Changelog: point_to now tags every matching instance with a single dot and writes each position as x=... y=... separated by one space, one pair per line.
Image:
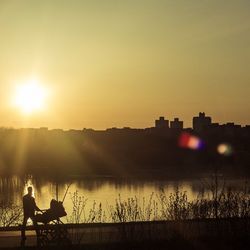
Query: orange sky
x=124 y=63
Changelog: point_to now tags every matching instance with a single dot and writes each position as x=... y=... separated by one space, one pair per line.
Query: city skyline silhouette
x=100 y=65
x=163 y=121
x=124 y=124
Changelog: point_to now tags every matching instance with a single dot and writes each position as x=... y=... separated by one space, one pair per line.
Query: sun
x=30 y=97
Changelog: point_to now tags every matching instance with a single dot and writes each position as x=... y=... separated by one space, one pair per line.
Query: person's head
x=30 y=190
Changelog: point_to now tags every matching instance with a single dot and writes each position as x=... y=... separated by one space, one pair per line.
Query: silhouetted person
x=29 y=208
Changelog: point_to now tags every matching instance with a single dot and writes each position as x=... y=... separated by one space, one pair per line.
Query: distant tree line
x=123 y=152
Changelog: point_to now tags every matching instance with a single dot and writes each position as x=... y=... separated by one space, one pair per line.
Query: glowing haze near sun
x=124 y=63
x=30 y=97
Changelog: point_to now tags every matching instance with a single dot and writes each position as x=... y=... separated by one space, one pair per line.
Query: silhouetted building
x=215 y=125
x=176 y=124
x=232 y=125
x=201 y=122
x=162 y=123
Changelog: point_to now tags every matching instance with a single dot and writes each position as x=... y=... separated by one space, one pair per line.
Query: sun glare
x=30 y=97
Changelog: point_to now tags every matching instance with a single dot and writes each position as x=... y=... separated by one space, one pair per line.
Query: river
x=104 y=190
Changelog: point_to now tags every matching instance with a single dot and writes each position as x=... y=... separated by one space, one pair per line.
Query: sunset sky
x=121 y=63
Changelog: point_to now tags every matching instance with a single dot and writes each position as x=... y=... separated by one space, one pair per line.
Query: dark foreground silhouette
x=29 y=208
x=231 y=233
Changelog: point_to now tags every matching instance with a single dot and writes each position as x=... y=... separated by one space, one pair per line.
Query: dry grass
x=226 y=203
x=176 y=206
x=10 y=214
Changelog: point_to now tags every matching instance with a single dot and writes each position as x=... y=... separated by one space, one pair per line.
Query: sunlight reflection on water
x=99 y=190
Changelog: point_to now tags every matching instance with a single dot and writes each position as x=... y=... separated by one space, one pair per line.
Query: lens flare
x=187 y=140
x=225 y=149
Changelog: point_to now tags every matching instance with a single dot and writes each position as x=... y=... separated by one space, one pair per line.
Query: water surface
x=104 y=190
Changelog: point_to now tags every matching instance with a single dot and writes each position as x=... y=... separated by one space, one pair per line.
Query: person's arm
x=36 y=207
